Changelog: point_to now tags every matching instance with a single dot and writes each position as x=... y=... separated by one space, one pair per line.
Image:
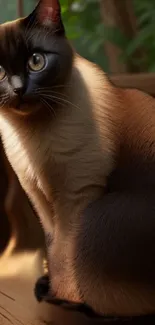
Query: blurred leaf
x=141 y=38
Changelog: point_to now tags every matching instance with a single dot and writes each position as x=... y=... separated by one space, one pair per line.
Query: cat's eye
x=36 y=62
x=2 y=73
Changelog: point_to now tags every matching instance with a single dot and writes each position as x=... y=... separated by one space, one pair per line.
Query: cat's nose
x=19 y=91
x=17 y=85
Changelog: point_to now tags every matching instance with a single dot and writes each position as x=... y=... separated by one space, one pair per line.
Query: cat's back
x=127 y=115
x=138 y=127
x=132 y=110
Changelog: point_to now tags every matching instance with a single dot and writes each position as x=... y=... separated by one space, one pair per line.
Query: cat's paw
x=41 y=289
x=72 y=306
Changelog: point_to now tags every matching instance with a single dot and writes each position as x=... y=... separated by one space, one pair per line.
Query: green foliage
x=145 y=39
x=85 y=29
x=89 y=34
x=82 y=22
x=7 y=12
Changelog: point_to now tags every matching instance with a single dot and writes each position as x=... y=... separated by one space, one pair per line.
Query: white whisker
x=51 y=92
x=61 y=100
x=50 y=108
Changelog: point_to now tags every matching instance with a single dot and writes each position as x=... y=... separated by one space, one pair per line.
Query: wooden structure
x=142 y=81
x=20 y=8
x=17 y=303
x=120 y=14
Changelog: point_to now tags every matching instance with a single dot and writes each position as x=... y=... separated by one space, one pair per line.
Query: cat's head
x=35 y=59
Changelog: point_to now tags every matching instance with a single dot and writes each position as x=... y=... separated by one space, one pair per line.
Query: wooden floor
x=17 y=303
x=17 y=278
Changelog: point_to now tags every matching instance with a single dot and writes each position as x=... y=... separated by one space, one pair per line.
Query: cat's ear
x=48 y=13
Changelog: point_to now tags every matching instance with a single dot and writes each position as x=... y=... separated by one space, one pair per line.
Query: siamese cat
x=84 y=152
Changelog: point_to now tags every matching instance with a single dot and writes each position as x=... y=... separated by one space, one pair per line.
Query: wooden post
x=20 y=8
x=119 y=14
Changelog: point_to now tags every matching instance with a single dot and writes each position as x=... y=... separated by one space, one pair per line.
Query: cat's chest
x=25 y=155
x=19 y=157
